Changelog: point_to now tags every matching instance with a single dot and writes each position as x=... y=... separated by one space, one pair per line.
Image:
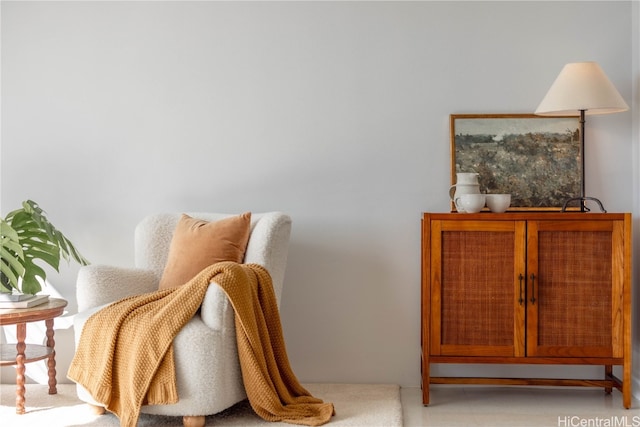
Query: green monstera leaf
x=12 y=265
x=27 y=237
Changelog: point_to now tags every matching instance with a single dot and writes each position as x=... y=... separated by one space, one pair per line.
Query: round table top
x=50 y=309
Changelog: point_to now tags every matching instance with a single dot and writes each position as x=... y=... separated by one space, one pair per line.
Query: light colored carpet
x=358 y=405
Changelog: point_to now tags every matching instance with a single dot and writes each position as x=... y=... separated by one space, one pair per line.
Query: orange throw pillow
x=197 y=244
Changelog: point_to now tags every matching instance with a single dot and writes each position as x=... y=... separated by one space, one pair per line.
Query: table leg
x=51 y=361
x=20 y=358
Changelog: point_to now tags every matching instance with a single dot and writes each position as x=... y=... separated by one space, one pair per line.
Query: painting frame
x=536 y=159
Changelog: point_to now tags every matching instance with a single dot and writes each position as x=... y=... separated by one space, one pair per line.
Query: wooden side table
x=20 y=353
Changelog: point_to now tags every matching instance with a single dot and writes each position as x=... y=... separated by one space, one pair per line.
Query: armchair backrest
x=268 y=243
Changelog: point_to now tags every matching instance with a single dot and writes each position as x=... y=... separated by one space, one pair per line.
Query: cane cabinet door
x=575 y=282
x=478 y=288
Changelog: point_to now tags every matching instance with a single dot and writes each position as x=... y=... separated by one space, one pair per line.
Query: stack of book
x=21 y=300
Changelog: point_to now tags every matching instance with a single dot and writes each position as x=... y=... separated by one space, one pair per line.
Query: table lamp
x=581 y=88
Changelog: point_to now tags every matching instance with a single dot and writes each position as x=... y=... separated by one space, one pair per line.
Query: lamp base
x=583 y=207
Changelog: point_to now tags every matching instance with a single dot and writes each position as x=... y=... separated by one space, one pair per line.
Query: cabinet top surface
x=521 y=215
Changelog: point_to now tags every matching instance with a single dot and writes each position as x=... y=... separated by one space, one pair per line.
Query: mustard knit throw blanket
x=142 y=328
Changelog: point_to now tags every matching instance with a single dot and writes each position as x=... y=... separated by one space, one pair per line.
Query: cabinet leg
x=608 y=373
x=426 y=380
x=626 y=383
x=425 y=392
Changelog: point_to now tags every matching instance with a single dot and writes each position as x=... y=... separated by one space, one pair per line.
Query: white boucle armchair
x=206 y=357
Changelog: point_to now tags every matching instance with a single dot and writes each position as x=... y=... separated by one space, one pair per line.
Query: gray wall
x=336 y=113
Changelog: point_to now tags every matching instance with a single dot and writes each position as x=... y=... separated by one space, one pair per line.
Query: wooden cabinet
x=527 y=288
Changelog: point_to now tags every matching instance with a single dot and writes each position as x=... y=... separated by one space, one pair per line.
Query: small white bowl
x=498 y=202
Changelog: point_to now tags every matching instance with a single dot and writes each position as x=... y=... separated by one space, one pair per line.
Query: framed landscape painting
x=535 y=159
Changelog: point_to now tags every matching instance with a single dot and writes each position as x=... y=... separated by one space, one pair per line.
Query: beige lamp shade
x=581 y=86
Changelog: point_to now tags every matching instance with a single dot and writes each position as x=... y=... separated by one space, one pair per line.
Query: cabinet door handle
x=520 y=279
x=533 y=293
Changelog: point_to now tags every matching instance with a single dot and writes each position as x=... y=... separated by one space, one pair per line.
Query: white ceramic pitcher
x=466 y=183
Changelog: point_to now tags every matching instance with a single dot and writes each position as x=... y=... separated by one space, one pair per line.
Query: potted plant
x=28 y=236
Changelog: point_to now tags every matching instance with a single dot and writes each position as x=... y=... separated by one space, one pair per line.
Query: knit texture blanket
x=141 y=328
